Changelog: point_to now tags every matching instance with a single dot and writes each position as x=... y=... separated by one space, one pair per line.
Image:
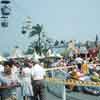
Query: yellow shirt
x=85 y=69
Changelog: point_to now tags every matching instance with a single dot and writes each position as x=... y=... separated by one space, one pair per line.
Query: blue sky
x=62 y=20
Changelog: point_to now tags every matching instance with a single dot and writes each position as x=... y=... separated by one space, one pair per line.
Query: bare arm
x=9 y=86
x=3 y=87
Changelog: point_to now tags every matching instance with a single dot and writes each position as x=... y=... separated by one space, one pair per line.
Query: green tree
x=36 y=30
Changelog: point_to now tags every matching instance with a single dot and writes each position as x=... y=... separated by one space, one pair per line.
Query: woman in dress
x=27 y=91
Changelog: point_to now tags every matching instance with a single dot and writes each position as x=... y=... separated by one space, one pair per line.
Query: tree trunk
x=39 y=44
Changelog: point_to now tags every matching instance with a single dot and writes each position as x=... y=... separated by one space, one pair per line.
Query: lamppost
x=5 y=12
x=27 y=25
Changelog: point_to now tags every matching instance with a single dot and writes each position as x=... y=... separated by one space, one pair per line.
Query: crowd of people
x=83 y=69
x=25 y=77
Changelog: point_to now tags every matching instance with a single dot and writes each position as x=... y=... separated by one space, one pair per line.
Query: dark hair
x=10 y=64
x=12 y=61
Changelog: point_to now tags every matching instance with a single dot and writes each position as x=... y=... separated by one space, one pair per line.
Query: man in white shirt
x=79 y=61
x=38 y=74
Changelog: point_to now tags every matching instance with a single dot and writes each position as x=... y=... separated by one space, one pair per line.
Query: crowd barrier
x=73 y=82
x=58 y=68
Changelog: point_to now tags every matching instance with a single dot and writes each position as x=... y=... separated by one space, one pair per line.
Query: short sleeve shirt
x=38 y=72
x=5 y=80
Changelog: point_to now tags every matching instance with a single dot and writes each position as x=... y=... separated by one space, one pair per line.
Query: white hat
x=36 y=61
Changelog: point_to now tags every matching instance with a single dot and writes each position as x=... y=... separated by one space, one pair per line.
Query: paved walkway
x=51 y=96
